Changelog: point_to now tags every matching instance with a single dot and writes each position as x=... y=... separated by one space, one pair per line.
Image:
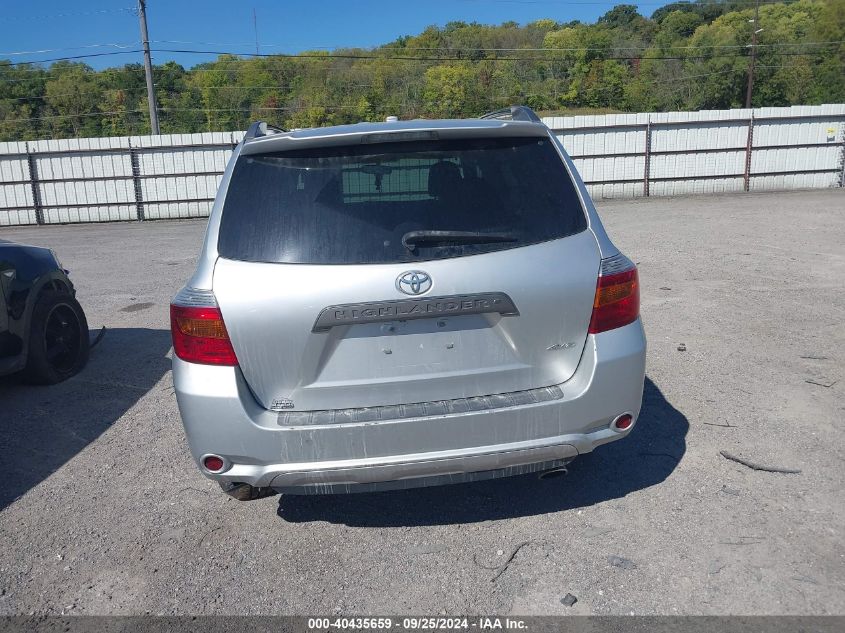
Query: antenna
x=255 y=28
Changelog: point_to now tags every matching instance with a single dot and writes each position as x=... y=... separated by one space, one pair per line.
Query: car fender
x=27 y=271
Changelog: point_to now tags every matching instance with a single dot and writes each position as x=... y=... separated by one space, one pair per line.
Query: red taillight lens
x=199 y=336
x=617 y=301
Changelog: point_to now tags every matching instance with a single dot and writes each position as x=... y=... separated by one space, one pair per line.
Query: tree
x=620 y=15
x=124 y=100
x=687 y=56
x=73 y=98
x=21 y=101
x=829 y=63
x=448 y=90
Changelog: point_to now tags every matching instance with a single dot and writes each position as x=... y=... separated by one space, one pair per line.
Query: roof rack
x=262 y=128
x=513 y=113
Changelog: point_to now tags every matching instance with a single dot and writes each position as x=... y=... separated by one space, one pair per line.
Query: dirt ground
x=103 y=511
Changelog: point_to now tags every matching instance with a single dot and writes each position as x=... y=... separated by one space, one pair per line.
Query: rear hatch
x=403 y=272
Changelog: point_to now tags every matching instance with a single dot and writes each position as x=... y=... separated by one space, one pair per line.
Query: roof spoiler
x=513 y=113
x=262 y=128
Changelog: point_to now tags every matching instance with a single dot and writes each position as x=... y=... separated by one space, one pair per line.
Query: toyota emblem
x=413 y=282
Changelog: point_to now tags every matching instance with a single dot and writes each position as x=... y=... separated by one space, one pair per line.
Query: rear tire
x=58 y=339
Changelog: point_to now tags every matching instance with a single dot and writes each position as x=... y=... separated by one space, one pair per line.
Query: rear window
x=354 y=204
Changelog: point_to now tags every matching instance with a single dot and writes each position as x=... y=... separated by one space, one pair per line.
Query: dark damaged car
x=43 y=330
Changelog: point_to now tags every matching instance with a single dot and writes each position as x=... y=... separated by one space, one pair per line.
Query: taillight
x=617 y=300
x=199 y=334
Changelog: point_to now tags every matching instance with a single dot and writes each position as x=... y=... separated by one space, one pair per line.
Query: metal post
x=754 y=32
x=749 y=147
x=148 y=67
x=136 y=182
x=647 y=166
x=36 y=188
x=841 y=176
x=255 y=28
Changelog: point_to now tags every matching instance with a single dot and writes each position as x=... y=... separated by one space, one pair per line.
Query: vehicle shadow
x=45 y=426
x=644 y=459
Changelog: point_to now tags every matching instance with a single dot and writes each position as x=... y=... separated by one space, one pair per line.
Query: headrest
x=444 y=178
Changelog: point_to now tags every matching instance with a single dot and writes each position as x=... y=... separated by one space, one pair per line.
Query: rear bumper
x=221 y=417
x=417 y=470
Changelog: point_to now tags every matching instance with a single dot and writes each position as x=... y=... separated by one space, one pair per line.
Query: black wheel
x=58 y=339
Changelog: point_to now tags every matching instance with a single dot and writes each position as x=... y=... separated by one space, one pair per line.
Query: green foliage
x=687 y=56
x=71 y=92
x=620 y=16
x=448 y=89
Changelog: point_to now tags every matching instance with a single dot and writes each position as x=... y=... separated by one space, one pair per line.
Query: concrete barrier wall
x=618 y=155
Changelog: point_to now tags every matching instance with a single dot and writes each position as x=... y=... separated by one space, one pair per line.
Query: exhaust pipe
x=245 y=492
x=553 y=473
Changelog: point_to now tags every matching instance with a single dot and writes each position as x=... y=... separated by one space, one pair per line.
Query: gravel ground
x=104 y=512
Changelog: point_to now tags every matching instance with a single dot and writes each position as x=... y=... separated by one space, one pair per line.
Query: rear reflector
x=199 y=336
x=617 y=300
x=623 y=422
x=213 y=463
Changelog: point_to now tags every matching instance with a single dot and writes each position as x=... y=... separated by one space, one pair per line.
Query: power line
x=50 y=16
x=497 y=50
x=289 y=108
x=230 y=88
x=43 y=74
x=70 y=116
x=781 y=66
x=587 y=49
x=69 y=58
x=722 y=72
x=233 y=87
x=133 y=10
x=45 y=97
x=328 y=56
x=322 y=55
x=68 y=48
x=139 y=111
x=288 y=86
x=272 y=108
x=717 y=72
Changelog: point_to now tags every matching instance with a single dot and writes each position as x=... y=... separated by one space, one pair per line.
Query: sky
x=44 y=29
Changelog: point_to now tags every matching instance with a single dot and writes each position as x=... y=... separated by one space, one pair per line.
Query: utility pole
x=148 y=67
x=255 y=28
x=755 y=30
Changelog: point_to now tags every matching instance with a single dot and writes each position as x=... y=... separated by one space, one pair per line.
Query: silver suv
x=398 y=304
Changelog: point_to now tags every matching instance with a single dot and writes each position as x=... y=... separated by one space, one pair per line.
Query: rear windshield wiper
x=412 y=238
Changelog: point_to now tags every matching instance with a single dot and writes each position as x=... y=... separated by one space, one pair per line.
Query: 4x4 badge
x=413 y=282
